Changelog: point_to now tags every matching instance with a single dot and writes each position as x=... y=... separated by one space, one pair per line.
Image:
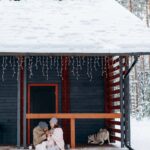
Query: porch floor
x=104 y=147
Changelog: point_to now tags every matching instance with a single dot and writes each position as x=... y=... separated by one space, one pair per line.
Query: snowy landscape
x=100 y=28
x=140 y=134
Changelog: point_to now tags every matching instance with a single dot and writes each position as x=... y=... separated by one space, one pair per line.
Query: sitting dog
x=99 y=138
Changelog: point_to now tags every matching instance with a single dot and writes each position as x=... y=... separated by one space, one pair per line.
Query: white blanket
x=57 y=137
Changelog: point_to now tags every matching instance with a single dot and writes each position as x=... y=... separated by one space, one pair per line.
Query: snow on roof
x=70 y=26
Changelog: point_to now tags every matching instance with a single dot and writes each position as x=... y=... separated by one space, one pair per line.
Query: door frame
x=29 y=102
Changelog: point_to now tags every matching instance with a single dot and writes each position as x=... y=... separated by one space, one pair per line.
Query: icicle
x=69 y=61
x=105 y=67
x=80 y=63
x=21 y=63
x=30 y=67
x=47 y=68
x=51 y=62
x=43 y=66
x=98 y=61
x=36 y=63
x=10 y=61
x=61 y=66
x=91 y=69
x=95 y=61
x=55 y=61
x=14 y=67
x=88 y=74
x=73 y=66
x=3 y=68
x=66 y=62
x=83 y=61
x=40 y=61
x=18 y=68
x=77 y=68
x=102 y=66
x=57 y=65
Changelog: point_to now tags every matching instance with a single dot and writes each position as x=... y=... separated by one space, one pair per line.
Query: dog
x=99 y=138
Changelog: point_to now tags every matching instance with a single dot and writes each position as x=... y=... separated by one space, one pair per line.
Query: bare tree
x=130 y=5
x=147 y=12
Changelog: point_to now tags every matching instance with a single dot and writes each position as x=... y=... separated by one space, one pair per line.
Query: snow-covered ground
x=140 y=134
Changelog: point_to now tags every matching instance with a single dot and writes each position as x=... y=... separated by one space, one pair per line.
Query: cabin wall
x=85 y=97
x=8 y=106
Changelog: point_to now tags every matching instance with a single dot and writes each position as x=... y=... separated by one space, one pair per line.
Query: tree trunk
x=130 y=5
x=147 y=12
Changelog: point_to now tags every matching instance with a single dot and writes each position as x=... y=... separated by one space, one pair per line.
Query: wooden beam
x=72 y=133
x=75 y=116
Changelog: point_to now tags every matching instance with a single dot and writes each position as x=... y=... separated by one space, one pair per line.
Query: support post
x=18 y=105
x=72 y=122
x=121 y=101
x=127 y=107
x=25 y=102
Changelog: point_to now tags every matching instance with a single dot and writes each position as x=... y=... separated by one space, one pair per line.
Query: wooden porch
x=105 y=147
x=72 y=117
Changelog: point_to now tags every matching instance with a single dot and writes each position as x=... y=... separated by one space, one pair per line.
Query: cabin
x=70 y=60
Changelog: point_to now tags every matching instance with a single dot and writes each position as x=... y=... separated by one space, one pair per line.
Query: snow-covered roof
x=70 y=26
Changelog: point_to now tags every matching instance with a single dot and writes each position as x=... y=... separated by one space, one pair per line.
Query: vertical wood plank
x=72 y=133
x=18 y=106
x=28 y=112
x=65 y=97
x=25 y=103
x=21 y=98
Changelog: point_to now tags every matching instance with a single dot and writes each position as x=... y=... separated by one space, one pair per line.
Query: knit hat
x=54 y=120
x=43 y=125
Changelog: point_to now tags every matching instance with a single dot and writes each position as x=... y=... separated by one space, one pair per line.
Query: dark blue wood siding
x=8 y=106
x=87 y=97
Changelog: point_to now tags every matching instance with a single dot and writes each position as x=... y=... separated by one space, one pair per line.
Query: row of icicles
x=76 y=64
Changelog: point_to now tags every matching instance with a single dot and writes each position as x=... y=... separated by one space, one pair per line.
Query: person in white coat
x=55 y=136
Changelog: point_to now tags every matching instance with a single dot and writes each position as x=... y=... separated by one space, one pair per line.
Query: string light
x=73 y=66
x=77 y=66
x=51 y=62
x=88 y=74
x=102 y=66
x=47 y=68
x=18 y=68
x=30 y=67
x=43 y=66
x=57 y=64
x=3 y=68
x=14 y=67
x=91 y=70
x=76 y=63
x=95 y=63
x=61 y=67
x=36 y=62
x=10 y=61
x=80 y=63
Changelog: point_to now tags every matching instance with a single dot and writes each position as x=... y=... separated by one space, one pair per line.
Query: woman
x=55 y=140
